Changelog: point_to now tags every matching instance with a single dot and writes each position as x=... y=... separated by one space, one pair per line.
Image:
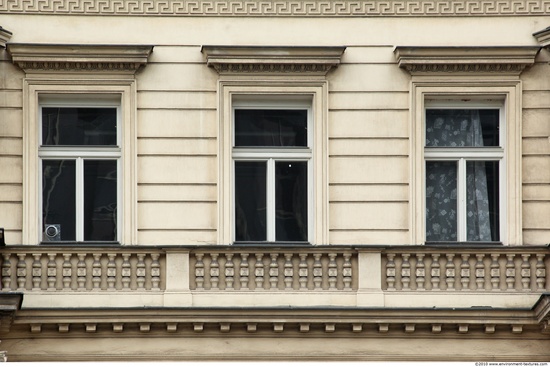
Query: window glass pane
x=100 y=200
x=271 y=128
x=58 y=200
x=78 y=126
x=441 y=201
x=462 y=128
x=482 y=209
x=291 y=201
x=250 y=201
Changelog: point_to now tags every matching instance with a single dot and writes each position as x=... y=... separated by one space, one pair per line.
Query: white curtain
x=455 y=128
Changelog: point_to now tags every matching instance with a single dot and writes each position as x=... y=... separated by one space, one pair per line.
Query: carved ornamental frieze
x=299 y=8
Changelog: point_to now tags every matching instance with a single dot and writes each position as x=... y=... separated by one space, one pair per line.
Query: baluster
x=67 y=272
x=317 y=271
x=81 y=272
x=495 y=272
x=289 y=271
x=450 y=272
x=303 y=271
x=435 y=272
x=155 y=272
x=510 y=272
x=6 y=272
x=36 y=272
x=525 y=272
x=259 y=271
x=111 y=272
x=199 y=271
x=390 y=272
x=540 y=272
x=465 y=272
x=406 y=272
x=126 y=271
x=480 y=272
x=420 y=272
x=244 y=271
x=347 y=271
x=21 y=272
x=140 y=271
x=214 y=271
x=229 y=271
x=273 y=271
x=96 y=272
x=332 y=271
x=52 y=272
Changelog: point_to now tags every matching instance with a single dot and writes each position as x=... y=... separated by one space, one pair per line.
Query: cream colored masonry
x=96 y=277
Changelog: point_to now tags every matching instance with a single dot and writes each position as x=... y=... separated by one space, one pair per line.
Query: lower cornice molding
x=291 y=322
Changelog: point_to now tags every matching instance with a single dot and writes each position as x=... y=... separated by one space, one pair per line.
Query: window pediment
x=126 y=59
x=543 y=37
x=272 y=60
x=501 y=60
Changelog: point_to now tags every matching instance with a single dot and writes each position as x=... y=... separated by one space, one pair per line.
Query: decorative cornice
x=304 y=322
x=542 y=313
x=299 y=8
x=543 y=37
x=501 y=60
x=272 y=60
x=125 y=59
x=5 y=36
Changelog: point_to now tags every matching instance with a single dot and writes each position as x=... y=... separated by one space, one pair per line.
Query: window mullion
x=461 y=195
x=79 y=192
x=270 y=202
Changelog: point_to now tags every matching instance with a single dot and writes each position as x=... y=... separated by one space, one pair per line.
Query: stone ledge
x=270 y=60
x=71 y=58
x=495 y=60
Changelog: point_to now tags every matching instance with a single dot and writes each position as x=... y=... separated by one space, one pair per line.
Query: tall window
x=464 y=154
x=272 y=159
x=80 y=158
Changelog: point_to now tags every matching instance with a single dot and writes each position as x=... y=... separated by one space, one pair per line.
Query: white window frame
x=97 y=91
x=270 y=155
x=269 y=93
x=465 y=154
x=81 y=153
x=508 y=92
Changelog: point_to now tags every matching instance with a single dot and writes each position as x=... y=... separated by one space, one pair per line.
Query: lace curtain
x=456 y=128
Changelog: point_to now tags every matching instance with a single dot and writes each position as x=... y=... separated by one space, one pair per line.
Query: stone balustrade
x=239 y=276
x=498 y=269
x=80 y=269
x=283 y=270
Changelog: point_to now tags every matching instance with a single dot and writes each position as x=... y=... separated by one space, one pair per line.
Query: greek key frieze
x=402 y=8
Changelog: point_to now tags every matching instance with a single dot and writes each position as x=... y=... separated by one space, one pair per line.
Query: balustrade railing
x=283 y=270
x=82 y=269
x=452 y=269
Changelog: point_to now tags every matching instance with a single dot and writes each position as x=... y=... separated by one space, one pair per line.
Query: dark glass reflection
x=250 y=201
x=482 y=206
x=271 y=128
x=291 y=201
x=58 y=198
x=441 y=201
x=100 y=200
x=462 y=128
x=78 y=126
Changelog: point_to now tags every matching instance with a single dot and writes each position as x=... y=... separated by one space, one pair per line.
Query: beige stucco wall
x=368 y=115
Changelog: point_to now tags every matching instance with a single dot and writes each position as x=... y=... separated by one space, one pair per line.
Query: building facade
x=291 y=180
